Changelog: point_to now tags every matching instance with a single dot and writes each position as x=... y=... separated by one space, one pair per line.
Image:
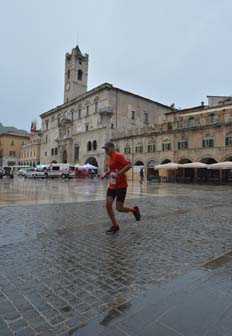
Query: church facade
x=75 y=131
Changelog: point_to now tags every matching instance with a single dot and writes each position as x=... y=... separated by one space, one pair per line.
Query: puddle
x=218 y=262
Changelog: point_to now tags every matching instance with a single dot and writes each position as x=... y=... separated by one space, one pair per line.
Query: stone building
x=30 y=152
x=75 y=131
x=10 y=147
x=202 y=133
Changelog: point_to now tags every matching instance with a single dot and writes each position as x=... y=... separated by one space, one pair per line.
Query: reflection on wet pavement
x=26 y=191
x=59 y=269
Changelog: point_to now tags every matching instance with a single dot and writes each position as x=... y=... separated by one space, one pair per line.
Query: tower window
x=94 y=145
x=96 y=106
x=133 y=115
x=87 y=110
x=89 y=146
x=79 y=75
x=146 y=118
x=76 y=153
x=68 y=74
x=79 y=114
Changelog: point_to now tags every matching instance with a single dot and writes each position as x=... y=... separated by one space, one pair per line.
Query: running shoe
x=112 y=230
x=137 y=213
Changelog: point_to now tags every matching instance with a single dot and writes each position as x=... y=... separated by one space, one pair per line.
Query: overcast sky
x=171 y=51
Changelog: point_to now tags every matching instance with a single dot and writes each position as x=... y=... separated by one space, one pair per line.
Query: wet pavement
x=61 y=275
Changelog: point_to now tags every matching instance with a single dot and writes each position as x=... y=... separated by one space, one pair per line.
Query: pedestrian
x=141 y=173
x=118 y=165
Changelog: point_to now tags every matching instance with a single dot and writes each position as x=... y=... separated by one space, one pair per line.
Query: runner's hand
x=103 y=176
x=114 y=175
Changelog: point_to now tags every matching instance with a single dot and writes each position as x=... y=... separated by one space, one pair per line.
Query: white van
x=35 y=173
x=63 y=170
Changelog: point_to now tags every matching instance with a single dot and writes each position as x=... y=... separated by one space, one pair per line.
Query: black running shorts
x=119 y=193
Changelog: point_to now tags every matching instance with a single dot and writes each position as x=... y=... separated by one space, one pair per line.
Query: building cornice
x=200 y=110
x=15 y=135
x=169 y=132
x=104 y=86
x=210 y=110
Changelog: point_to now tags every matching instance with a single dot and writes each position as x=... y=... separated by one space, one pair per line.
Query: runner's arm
x=105 y=174
x=123 y=170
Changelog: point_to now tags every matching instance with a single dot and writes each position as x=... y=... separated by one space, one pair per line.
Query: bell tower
x=76 y=74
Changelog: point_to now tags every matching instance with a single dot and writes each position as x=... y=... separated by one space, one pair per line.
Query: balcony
x=64 y=122
x=106 y=111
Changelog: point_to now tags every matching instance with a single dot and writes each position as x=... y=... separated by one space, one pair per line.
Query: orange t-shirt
x=116 y=162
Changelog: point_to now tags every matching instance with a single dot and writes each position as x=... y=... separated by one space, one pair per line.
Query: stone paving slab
x=188 y=305
x=59 y=270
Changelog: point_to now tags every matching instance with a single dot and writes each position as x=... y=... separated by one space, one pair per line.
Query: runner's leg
x=121 y=195
x=121 y=208
x=109 y=208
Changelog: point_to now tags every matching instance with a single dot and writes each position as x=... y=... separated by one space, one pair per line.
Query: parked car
x=22 y=172
x=36 y=173
x=1 y=172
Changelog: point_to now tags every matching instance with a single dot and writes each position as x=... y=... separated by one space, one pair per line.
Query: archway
x=138 y=165
x=165 y=161
x=92 y=160
x=184 y=160
x=151 y=172
x=65 y=156
x=208 y=160
x=208 y=175
x=228 y=158
x=185 y=173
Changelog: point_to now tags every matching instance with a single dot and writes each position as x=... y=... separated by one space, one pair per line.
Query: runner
x=117 y=188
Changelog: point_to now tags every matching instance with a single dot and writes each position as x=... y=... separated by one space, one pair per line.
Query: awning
x=88 y=166
x=167 y=166
x=221 y=165
x=193 y=165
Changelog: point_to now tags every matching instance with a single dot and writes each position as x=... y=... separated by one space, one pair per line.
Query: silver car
x=36 y=173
